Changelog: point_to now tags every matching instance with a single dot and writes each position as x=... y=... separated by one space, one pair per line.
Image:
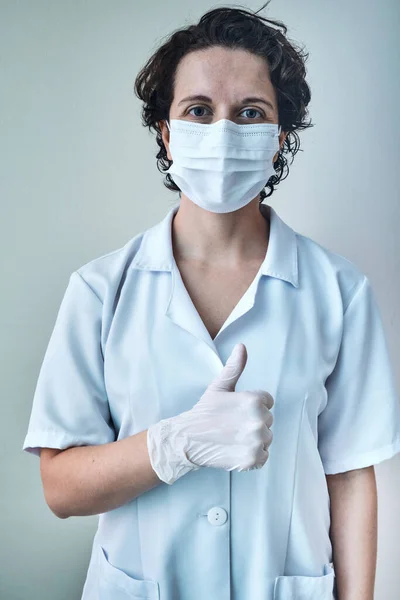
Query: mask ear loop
x=167 y=124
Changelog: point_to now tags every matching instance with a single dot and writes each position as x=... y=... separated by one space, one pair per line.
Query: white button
x=217 y=515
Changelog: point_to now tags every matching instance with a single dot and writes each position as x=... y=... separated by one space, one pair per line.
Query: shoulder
x=106 y=273
x=332 y=274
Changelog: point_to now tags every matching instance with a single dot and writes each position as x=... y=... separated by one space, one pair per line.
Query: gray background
x=79 y=178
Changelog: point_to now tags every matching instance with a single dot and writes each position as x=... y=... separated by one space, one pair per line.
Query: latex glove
x=225 y=429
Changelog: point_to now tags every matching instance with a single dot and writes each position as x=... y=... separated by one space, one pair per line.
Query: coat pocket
x=115 y=584
x=303 y=587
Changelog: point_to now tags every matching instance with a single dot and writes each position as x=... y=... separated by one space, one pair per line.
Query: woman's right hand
x=224 y=429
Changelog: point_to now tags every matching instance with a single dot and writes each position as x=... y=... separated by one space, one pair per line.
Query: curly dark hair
x=233 y=28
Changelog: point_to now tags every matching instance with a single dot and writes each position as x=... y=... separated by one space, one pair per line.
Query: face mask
x=223 y=166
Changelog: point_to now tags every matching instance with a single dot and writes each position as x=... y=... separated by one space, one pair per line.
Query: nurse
x=219 y=388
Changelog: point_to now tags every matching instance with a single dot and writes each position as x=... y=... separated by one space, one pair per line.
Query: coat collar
x=155 y=251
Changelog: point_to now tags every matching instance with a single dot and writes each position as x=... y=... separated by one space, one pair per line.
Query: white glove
x=225 y=429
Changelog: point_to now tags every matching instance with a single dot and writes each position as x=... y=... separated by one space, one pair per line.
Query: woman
x=174 y=357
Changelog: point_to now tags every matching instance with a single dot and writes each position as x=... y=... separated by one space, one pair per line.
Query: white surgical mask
x=223 y=166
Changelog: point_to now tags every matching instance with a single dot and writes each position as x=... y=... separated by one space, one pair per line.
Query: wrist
x=168 y=451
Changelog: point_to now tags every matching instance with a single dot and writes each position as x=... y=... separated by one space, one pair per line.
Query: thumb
x=229 y=375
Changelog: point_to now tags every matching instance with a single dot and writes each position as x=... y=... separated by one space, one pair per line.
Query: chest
x=215 y=292
x=159 y=357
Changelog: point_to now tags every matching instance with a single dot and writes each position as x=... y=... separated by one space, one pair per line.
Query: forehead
x=223 y=71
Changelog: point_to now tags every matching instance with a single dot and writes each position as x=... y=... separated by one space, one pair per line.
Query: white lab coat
x=129 y=348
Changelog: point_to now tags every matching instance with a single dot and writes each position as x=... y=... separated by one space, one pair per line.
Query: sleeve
x=360 y=425
x=70 y=405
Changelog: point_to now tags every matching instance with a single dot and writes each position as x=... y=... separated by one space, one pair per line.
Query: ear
x=165 y=137
x=282 y=138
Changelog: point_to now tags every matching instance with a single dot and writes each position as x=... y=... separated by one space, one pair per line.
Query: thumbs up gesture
x=225 y=429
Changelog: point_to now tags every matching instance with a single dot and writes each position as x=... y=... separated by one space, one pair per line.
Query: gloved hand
x=225 y=429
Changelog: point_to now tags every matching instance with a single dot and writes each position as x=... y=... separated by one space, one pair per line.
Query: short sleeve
x=70 y=405
x=360 y=425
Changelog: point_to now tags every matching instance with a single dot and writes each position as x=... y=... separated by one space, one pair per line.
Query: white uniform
x=129 y=348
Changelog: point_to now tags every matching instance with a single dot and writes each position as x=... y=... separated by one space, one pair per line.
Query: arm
x=353 y=532
x=89 y=480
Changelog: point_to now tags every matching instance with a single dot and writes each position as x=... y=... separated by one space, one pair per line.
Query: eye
x=197 y=108
x=253 y=110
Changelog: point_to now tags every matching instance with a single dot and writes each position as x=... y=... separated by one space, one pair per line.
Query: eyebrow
x=247 y=100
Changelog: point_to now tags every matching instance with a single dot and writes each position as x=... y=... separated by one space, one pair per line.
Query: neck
x=224 y=239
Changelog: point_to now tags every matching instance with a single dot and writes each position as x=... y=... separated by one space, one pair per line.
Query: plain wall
x=79 y=178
